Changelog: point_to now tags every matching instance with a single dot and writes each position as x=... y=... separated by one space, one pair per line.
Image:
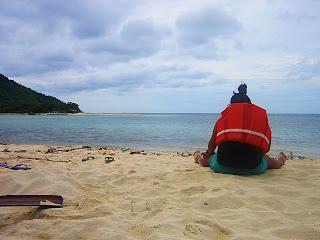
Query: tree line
x=15 y=98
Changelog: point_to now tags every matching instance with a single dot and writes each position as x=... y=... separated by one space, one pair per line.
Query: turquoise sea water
x=174 y=132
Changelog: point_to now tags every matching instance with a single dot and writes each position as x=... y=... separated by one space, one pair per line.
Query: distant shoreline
x=78 y=114
x=105 y=114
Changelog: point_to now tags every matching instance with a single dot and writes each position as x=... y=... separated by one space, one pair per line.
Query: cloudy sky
x=165 y=56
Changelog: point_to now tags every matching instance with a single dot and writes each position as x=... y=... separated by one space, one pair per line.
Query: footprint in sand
x=204 y=229
x=194 y=190
x=224 y=201
x=299 y=232
x=282 y=192
x=192 y=228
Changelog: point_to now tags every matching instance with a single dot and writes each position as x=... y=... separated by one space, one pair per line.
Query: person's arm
x=211 y=144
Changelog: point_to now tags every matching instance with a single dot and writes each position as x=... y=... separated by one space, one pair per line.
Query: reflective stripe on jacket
x=246 y=123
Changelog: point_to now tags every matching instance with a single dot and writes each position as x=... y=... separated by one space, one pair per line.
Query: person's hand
x=205 y=154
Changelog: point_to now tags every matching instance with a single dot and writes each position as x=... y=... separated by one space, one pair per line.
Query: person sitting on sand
x=243 y=137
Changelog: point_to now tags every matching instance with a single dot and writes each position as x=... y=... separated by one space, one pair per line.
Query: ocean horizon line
x=139 y=113
x=190 y=113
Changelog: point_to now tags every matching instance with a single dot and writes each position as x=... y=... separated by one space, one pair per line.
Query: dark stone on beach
x=109 y=159
x=87 y=158
x=111 y=154
x=125 y=149
x=107 y=148
x=51 y=150
x=20 y=151
x=135 y=152
x=290 y=155
x=6 y=150
x=184 y=154
x=86 y=147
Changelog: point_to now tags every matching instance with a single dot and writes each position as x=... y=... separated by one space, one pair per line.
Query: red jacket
x=246 y=123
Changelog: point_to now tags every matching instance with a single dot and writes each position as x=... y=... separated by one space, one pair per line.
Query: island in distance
x=15 y=98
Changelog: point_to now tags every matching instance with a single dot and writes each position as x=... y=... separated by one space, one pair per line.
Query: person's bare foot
x=197 y=156
x=204 y=161
x=282 y=157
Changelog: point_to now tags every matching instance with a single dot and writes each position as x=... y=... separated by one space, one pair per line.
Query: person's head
x=242 y=89
x=241 y=96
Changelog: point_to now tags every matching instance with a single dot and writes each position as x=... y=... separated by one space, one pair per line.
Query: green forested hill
x=15 y=98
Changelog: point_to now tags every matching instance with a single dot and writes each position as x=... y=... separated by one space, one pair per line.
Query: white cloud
x=81 y=48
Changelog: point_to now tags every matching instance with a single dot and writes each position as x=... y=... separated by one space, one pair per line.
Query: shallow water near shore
x=297 y=133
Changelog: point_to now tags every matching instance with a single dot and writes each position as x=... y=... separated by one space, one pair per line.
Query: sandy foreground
x=154 y=195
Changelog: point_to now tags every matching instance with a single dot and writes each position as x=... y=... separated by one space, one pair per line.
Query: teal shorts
x=218 y=168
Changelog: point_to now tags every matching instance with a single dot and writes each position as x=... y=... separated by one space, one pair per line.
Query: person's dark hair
x=241 y=96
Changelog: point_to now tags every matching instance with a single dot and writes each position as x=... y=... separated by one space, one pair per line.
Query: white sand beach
x=154 y=195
